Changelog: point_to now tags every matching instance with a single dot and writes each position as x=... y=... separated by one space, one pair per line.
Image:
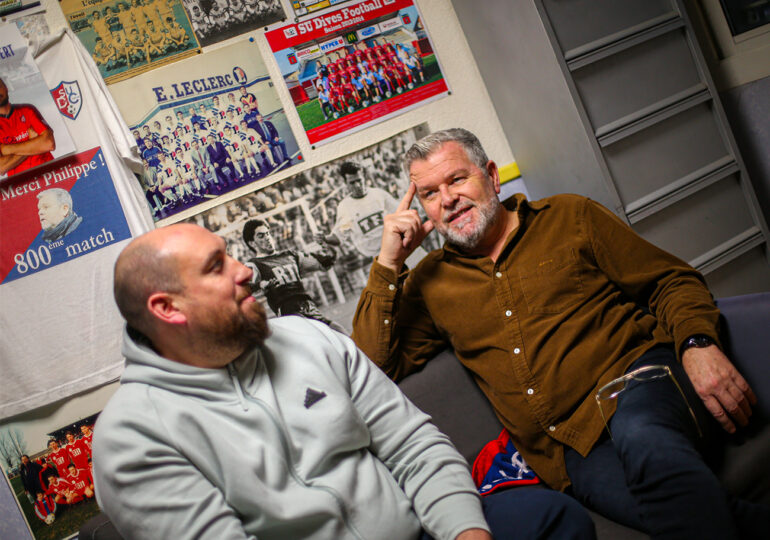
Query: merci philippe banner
x=60 y=213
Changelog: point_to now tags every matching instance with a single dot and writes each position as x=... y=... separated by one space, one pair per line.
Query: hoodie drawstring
x=237 y=384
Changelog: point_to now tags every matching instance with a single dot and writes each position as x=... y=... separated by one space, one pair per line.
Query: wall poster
x=67 y=210
x=126 y=37
x=358 y=65
x=217 y=20
x=32 y=131
x=46 y=456
x=206 y=126
x=311 y=238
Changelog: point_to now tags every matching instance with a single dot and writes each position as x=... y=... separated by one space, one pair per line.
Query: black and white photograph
x=217 y=20
x=311 y=238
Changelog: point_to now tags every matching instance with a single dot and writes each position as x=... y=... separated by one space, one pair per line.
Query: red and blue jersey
x=15 y=128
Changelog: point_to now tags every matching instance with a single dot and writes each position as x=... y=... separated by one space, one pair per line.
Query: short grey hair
x=429 y=144
x=62 y=196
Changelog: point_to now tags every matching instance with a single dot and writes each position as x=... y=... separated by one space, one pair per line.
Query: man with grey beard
x=226 y=425
x=546 y=302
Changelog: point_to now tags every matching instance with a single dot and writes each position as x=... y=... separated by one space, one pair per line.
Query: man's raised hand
x=402 y=232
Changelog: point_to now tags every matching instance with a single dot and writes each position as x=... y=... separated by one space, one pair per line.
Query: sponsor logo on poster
x=390 y=24
x=239 y=75
x=309 y=52
x=369 y=31
x=332 y=44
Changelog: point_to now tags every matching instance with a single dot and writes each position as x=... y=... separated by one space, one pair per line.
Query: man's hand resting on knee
x=723 y=390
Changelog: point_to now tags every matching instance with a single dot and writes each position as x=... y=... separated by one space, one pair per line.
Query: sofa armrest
x=746 y=337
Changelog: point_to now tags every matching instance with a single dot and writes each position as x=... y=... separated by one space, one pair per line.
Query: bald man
x=227 y=426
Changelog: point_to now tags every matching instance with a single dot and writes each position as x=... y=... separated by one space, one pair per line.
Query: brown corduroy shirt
x=574 y=298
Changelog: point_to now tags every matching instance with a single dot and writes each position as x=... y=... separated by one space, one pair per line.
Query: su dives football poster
x=356 y=66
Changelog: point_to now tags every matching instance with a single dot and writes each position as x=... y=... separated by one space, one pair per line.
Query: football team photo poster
x=29 y=116
x=311 y=238
x=46 y=456
x=358 y=65
x=206 y=126
x=126 y=37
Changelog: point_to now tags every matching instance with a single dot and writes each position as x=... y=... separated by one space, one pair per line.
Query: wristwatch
x=698 y=340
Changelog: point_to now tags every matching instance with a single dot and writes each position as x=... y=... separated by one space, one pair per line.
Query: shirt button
x=391 y=287
x=508 y=313
x=386 y=321
x=516 y=350
x=530 y=391
x=551 y=428
x=498 y=274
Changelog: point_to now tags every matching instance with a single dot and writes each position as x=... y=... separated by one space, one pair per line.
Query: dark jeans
x=533 y=513
x=652 y=476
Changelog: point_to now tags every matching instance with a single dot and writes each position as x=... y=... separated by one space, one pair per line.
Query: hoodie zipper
x=287 y=454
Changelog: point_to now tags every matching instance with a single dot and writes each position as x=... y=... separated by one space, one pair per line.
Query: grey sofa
x=446 y=391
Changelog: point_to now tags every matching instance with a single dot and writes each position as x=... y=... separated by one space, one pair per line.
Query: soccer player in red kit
x=78 y=450
x=25 y=139
x=341 y=61
x=349 y=91
x=81 y=481
x=351 y=71
x=337 y=98
x=59 y=456
x=63 y=491
x=87 y=436
x=359 y=52
x=404 y=72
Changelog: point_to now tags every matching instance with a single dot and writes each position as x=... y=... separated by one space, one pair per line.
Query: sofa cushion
x=447 y=391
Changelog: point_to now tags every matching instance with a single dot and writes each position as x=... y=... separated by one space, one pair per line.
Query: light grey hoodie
x=302 y=437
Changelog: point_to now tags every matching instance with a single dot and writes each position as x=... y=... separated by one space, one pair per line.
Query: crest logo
x=239 y=74
x=290 y=32
x=68 y=98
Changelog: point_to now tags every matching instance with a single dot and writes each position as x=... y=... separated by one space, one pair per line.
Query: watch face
x=698 y=341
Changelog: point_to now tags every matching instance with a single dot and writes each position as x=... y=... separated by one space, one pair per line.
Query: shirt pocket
x=553 y=284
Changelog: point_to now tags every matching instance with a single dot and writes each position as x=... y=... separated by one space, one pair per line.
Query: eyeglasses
x=612 y=389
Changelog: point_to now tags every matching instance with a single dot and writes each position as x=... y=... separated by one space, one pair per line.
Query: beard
x=487 y=212
x=234 y=334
